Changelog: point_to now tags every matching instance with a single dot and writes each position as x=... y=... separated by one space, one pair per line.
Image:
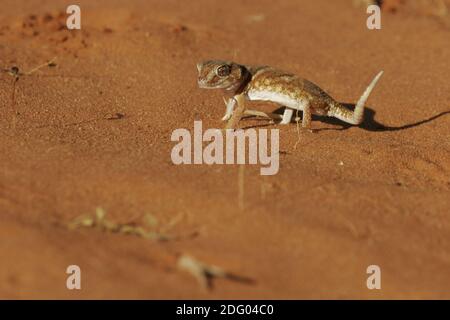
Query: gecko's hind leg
x=269 y=116
x=256 y=113
x=287 y=116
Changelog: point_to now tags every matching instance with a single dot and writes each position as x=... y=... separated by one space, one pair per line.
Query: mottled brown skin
x=268 y=78
x=269 y=84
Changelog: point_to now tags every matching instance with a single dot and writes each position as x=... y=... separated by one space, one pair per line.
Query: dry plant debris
x=100 y=221
x=204 y=273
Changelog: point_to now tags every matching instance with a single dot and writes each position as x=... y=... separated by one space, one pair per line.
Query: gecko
x=265 y=83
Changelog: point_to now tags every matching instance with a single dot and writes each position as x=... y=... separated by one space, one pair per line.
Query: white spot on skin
x=282 y=99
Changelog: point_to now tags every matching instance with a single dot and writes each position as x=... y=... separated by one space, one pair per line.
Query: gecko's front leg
x=230 y=107
x=238 y=112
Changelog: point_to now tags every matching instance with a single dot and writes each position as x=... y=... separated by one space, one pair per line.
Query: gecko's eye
x=223 y=70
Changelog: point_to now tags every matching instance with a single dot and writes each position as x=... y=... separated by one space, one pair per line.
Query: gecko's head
x=215 y=74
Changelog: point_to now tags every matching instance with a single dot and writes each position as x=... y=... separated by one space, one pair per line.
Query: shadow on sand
x=369 y=123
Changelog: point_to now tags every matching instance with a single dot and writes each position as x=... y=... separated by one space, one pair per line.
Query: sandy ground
x=94 y=131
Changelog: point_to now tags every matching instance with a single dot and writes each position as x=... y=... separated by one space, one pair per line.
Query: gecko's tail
x=356 y=116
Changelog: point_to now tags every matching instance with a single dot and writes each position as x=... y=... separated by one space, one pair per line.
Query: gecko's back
x=268 y=83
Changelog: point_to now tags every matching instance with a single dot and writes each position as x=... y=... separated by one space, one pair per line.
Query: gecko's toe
x=226 y=117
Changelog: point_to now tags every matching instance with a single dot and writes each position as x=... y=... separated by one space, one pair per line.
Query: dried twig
x=15 y=72
x=205 y=273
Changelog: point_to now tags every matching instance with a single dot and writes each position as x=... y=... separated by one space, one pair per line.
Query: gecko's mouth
x=204 y=85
